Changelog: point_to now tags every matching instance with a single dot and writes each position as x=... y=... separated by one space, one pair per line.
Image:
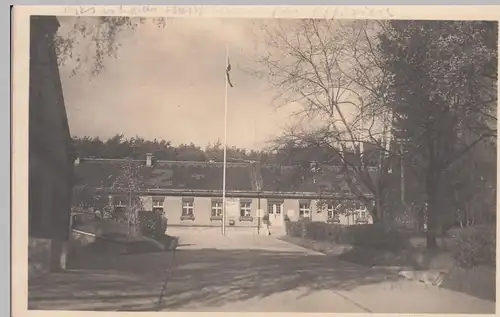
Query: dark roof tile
x=180 y=175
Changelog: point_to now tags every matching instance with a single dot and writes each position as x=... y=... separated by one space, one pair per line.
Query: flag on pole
x=228 y=69
x=228 y=81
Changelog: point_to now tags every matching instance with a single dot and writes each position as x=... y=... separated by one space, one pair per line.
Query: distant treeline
x=120 y=147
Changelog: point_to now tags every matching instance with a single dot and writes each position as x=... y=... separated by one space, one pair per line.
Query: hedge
x=319 y=231
x=374 y=236
x=378 y=236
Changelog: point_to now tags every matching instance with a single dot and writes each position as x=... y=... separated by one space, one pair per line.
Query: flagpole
x=225 y=150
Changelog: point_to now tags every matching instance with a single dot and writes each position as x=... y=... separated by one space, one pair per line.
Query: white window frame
x=245 y=209
x=305 y=210
x=331 y=214
x=118 y=205
x=363 y=213
x=330 y=211
x=120 y=208
x=272 y=210
x=216 y=210
x=157 y=203
x=187 y=208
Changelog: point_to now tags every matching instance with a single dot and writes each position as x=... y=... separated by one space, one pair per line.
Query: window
x=274 y=208
x=119 y=209
x=216 y=209
x=245 y=209
x=158 y=204
x=187 y=209
x=305 y=210
x=330 y=211
x=362 y=216
x=119 y=205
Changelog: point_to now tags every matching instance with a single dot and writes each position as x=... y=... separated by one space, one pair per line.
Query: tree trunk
x=130 y=210
x=433 y=196
x=375 y=216
x=431 y=240
x=136 y=221
x=420 y=218
x=378 y=207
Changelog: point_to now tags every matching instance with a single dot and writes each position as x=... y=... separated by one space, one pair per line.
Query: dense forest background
x=119 y=146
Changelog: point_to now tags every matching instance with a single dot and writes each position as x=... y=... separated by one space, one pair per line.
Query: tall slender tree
x=128 y=185
x=443 y=96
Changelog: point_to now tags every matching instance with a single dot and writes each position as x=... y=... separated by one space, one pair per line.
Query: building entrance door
x=275 y=214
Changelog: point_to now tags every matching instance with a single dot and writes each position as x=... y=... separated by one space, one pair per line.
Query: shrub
x=294 y=229
x=374 y=236
x=319 y=231
x=377 y=236
x=82 y=218
x=153 y=224
x=473 y=246
x=291 y=228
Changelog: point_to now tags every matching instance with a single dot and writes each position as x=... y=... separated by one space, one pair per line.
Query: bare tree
x=87 y=42
x=331 y=70
x=128 y=184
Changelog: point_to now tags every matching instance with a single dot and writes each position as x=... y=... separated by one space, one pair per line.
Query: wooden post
x=258 y=214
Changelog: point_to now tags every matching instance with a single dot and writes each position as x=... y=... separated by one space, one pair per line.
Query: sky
x=169 y=83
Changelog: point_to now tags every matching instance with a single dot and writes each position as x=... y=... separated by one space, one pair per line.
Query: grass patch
x=148 y=245
x=377 y=257
x=478 y=281
x=170 y=243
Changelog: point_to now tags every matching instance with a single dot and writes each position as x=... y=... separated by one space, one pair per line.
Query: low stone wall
x=80 y=239
x=85 y=244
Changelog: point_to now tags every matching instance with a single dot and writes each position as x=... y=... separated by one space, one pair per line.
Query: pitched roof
x=208 y=176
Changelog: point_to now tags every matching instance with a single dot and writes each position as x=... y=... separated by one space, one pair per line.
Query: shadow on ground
x=202 y=277
x=211 y=277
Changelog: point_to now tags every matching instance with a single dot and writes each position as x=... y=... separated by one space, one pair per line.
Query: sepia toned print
x=225 y=164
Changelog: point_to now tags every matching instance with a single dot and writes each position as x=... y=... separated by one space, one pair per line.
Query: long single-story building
x=190 y=193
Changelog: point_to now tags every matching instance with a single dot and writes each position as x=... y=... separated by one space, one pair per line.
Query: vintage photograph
x=262 y=165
